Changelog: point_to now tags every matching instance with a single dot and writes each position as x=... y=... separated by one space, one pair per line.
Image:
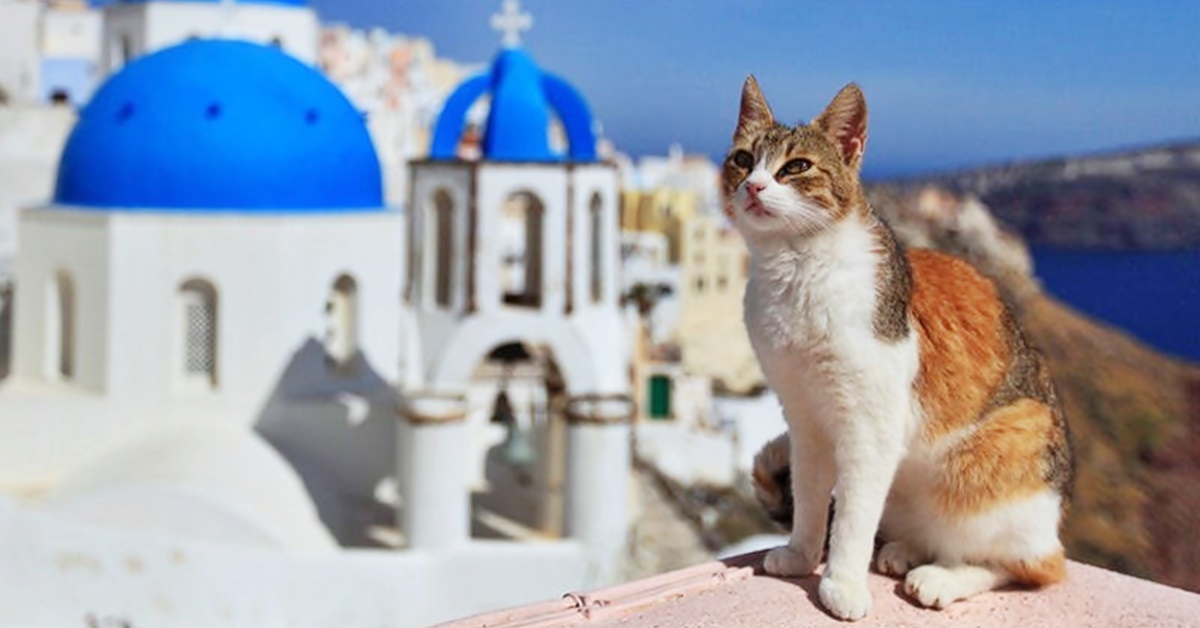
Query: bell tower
x=512 y=228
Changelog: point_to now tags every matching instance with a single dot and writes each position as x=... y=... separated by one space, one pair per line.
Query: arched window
x=341 y=323
x=443 y=209
x=596 y=209
x=521 y=246
x=60 y=327
x=198 y=318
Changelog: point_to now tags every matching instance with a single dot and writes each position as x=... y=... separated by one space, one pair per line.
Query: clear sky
x=950 y=83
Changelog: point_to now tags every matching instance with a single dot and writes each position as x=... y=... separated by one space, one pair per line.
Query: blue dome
x=218 y=125
x=522 y=101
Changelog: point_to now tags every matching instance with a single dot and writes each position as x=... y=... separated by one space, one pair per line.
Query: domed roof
x=220 y=125
x=518 y=124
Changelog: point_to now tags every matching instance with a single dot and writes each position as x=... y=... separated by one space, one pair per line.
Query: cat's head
x=794 y=181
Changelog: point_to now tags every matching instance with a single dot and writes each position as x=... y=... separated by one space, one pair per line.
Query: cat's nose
x=754 y=187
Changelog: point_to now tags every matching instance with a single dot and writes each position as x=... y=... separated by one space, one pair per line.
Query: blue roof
x=523 y=97
x=220 y=125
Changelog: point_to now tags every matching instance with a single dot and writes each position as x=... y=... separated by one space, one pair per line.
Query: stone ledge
x=732 y=593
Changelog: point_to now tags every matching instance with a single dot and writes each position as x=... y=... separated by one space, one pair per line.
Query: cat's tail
x=772 y=478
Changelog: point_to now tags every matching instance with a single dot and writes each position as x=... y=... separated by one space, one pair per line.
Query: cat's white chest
x=810 y=316
x=813 y=298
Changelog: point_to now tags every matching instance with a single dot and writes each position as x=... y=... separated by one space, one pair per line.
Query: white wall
x=31 y=140
x=19 y=58
x=56 y=572
x=78 y=244
x=156 y=25
x=72 y=32
x=273 y=275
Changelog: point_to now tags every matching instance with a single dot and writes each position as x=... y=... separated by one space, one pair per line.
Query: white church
x=246 y=392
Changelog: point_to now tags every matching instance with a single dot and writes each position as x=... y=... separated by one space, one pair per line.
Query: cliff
x=1139 y=199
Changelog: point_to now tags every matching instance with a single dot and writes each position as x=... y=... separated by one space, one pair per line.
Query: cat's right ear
x=754 y=113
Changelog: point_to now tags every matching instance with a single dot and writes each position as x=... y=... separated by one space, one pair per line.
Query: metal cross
x=510 y=22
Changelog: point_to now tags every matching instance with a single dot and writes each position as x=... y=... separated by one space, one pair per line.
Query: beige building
x=659 y=210
x=711 y=335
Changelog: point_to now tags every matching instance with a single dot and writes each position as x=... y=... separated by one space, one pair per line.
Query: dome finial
x=510 y=21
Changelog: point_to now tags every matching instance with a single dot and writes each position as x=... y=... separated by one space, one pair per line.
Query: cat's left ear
x=844 y=122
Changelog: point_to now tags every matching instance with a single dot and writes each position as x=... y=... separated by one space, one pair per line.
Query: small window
x=341 y=325
x=443 y=207
x=597 y=242
x=198 y=311
x=60 y=345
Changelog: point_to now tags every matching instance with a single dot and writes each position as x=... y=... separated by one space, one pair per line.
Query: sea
x=1154 y=295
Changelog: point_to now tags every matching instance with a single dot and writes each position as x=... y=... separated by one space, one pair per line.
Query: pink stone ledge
x=731 y=593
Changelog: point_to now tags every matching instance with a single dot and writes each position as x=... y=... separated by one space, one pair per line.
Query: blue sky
x=950 y=83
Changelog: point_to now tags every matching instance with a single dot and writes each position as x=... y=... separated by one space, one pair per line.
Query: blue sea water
x=1155 y=295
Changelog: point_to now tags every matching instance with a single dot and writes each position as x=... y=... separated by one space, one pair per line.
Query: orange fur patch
x=963 y=351
x=1038 y=573
x=1000 y=461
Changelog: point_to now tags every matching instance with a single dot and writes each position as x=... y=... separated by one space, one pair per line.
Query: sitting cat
x=909 y=391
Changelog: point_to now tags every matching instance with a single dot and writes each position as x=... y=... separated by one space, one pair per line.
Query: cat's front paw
x=897 y=558
x=933 y=586
x=787 y=561
x=844 y=598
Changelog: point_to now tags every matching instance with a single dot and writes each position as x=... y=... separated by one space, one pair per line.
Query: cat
x=911 y=395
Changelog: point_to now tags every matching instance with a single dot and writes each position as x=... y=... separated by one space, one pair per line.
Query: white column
x=436 y=508
x=597 y=478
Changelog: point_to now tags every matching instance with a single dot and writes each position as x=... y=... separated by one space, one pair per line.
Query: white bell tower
x=513 y=241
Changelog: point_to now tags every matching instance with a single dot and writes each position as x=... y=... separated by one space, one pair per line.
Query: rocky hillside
x=1141 y=199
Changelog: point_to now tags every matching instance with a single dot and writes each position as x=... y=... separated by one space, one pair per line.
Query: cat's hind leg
x=896 y=558
x=937 y=586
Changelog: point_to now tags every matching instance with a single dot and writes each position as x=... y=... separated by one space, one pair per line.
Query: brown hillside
x=1129 y=412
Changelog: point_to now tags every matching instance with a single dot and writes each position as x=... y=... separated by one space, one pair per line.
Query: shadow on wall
x=336 y=424
x=6 y=307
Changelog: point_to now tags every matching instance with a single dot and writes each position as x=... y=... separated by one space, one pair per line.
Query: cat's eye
x=795 y=166
x=743 y=159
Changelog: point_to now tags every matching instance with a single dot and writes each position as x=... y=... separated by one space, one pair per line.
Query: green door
x=660 y=397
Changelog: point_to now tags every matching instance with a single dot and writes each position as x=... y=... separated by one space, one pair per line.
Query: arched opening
x=443 y=209
x=198 y=333
x=341 y=325
x=596 y=225
x=60 y=327
x=517 y=399
x=521 y=249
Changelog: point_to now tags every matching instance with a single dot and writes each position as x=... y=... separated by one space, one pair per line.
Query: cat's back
x=973 y=354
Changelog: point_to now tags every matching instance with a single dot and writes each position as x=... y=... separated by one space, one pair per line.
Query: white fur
x=846 y=393
x=853 y=417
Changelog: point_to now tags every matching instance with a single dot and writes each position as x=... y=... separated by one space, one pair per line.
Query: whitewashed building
x=242 y=394
x=133 y=28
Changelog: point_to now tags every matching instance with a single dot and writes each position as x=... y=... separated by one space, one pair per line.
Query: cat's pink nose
x=754 y=187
